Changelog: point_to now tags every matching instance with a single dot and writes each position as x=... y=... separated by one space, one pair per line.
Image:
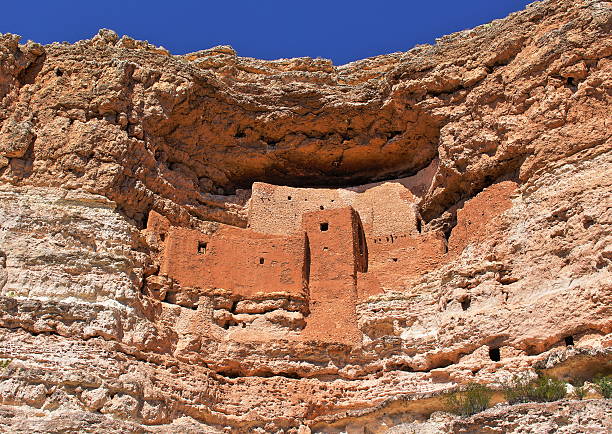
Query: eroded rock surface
x=211 y=243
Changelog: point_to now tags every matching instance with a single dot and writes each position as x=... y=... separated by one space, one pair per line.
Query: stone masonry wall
x=384 y=209
x=238 y=260
x=334 y=261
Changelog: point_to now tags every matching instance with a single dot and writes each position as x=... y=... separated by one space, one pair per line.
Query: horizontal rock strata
x=469 y=182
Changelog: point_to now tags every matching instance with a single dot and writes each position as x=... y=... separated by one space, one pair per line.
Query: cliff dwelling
x=212 y=243
x=329 y=248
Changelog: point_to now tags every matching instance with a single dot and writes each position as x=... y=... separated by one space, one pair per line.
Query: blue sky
x=268 y=29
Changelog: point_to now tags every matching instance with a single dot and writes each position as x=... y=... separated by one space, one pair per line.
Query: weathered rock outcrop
x=475 y=176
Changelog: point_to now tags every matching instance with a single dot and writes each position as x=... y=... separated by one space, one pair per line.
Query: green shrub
x=550 y=389
x=519 y=389
x=471 y=400
x=4 y=363
x=544 y=389
x=604 y=384
x=580 y=392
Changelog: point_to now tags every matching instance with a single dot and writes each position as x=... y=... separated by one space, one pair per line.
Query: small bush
x=550 y=389
x=544 y=389
x=604 y=384
x=4 y=363
x=471 y=400
x=519 y=389
x=580 y=392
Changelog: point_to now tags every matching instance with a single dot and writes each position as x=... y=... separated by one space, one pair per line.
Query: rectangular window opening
x=202 y=247
x=262 y=260
x=324 y=227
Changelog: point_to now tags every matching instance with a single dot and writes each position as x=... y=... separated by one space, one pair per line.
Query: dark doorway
x=494 y=354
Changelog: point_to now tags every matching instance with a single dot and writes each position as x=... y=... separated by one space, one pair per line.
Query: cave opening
x=494 y=354
x=569 y=341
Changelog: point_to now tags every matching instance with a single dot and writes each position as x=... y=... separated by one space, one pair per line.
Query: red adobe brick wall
x=331 y=259
x=395 y=260
x=332 y=251
x=474 y=219
x=334 y=261
x=238 y=260
x=386 y=208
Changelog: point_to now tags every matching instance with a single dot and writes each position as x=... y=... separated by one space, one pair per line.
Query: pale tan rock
x=122 y=406
x=98 y=136
x=94 y=399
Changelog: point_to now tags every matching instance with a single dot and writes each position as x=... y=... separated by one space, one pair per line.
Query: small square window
x=262 y=260
x=202 y=247
x=324 y=227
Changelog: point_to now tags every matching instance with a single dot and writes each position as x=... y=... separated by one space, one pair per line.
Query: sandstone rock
x=15 y=138
x=122 y=406
x=94 y=399
x=212 y=243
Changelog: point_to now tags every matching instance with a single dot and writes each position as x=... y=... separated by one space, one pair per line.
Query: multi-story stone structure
x=330 y=248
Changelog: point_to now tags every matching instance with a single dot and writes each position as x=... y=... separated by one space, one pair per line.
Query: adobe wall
x=333 y=251
x=335 y=258
x=332 y=258
x=239 y=260
x=388 y=208
x=394 y=261
x=473 y=220
x=400 y=259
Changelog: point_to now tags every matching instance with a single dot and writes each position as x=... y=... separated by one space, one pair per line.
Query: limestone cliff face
x=471 y=182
